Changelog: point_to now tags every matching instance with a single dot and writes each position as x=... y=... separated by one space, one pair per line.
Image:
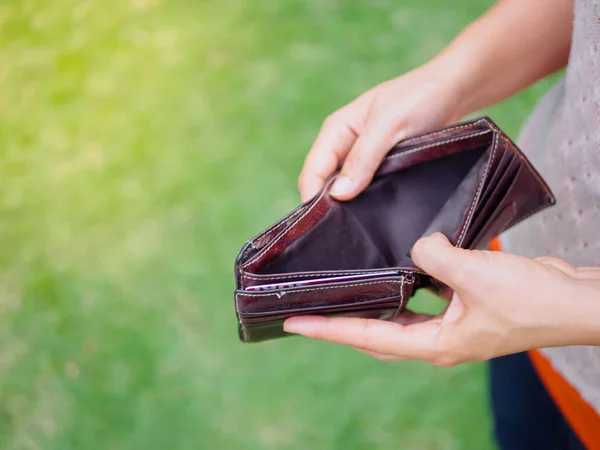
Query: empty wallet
x=468 y=181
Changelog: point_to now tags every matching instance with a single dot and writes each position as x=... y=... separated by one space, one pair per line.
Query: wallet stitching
x=436 y=144
x=320 y=288
x=445 y=130
x=277 y=277
x=291 y=226
x=472 y=208
x=402 y=282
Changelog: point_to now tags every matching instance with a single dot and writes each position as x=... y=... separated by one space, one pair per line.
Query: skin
x=502 y=303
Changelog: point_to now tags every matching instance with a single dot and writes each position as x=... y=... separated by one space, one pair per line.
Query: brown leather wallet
x=468 y=181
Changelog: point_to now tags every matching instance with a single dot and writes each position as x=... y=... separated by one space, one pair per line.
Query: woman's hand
x=482 y=66
x=502 y=304
x=358 y=136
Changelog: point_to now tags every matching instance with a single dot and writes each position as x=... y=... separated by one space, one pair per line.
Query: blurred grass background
x=141 y=143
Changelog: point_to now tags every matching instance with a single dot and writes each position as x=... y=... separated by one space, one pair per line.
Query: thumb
x=439 y=258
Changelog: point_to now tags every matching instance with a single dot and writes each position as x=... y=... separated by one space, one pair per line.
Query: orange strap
x=495 y=245
x=584 y=420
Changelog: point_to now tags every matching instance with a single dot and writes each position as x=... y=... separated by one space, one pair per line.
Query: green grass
x=141 y=143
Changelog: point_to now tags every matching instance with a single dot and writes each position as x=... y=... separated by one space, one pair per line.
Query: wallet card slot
x=496 y=204
x=491 y=202
x=252 y=303
x=499 y=222
x=495 y=196
x=250 y=280
x=304 y=282
x=522 y=198
x=506 y=163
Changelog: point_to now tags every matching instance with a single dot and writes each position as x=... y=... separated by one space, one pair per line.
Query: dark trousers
x=524 y=415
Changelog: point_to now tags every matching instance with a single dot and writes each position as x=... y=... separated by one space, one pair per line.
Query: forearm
x=582 y=311
x=513 y=45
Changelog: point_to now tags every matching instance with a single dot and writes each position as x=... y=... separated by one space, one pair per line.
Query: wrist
x=585 y=312
x=572 y=310
x=459 y=78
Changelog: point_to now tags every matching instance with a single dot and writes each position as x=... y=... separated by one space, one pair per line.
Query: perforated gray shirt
x=562 y=139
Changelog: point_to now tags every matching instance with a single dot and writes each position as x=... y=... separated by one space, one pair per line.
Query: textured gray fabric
x=562 y=139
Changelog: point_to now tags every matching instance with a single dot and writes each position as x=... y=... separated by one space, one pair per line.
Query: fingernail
x=301 y=324
x=288 y=328
x=341 y=186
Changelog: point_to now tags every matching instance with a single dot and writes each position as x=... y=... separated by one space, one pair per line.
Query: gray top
x=562 y=139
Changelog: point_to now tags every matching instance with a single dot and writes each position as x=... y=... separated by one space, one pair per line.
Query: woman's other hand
x=502 y=304
x=358 y=136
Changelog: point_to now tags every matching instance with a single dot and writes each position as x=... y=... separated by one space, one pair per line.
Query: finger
x=326 y=155
x=416 y=341
x=588 y=273
x=369 y=149
x=406 y=318
x=381 y=356
x=595 y=270
x=440 y=259
x=409 y=317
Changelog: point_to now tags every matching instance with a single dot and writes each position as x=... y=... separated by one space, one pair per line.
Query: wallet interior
x=378 y=228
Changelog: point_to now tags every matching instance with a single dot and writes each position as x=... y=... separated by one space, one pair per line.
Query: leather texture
x=468 y=181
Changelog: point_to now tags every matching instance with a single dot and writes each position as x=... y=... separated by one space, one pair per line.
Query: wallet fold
x=468 y=181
